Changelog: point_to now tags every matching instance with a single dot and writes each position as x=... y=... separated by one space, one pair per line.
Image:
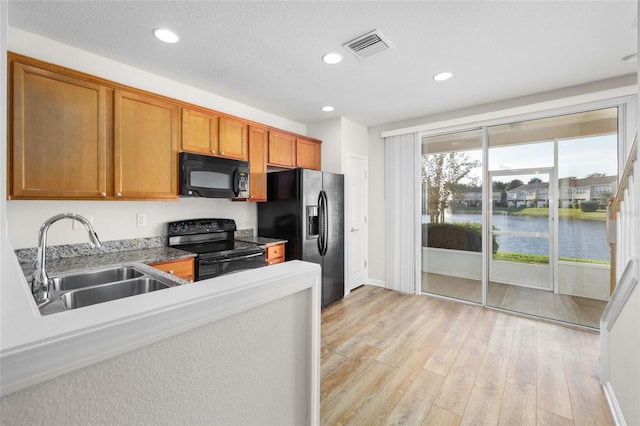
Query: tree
x=441 y=174
x=592 y=175
x=535 y=180
x=514 y=184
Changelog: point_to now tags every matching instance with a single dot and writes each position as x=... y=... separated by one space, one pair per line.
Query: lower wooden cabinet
x=275 y=254
x=181 y=268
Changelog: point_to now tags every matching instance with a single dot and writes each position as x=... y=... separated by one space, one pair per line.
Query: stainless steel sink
x=92 y=278
x=80 y=289
x=104 y=293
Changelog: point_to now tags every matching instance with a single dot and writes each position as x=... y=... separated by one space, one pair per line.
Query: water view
x=583 y=239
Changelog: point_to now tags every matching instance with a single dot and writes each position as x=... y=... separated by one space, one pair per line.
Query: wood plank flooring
x=394 y=359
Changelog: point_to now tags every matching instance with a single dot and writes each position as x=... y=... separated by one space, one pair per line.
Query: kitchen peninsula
x=242 y=348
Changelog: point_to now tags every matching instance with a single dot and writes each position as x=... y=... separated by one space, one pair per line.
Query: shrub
x=454 y=236
x=589 y=206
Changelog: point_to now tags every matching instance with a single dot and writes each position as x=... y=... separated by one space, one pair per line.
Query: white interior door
x=356 y=223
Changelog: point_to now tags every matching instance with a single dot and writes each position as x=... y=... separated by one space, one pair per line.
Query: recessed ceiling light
x=332 y=58
x=631 y=58
x=442 y=76
x=328 y=108
x=166 y=35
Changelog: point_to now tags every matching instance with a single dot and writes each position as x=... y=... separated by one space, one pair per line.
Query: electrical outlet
x=141 y=219
x=381 y=259
x=75 y=225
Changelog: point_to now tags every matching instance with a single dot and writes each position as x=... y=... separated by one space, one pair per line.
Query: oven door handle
x=249 y=256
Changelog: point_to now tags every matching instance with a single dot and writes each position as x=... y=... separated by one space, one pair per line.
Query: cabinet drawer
x=182 y=268
x=275 y=254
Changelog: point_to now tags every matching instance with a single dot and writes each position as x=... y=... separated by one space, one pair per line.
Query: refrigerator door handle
x=324 y=223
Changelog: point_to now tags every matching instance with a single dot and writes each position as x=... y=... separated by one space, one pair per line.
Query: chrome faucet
x=40 y=281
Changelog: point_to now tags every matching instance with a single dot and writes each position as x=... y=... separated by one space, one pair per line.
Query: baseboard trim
x=378 y=283
x=614 y=407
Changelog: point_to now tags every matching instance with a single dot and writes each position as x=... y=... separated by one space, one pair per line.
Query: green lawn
x=540 y=259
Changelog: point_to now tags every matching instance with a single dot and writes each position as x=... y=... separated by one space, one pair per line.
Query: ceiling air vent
x=368 y=44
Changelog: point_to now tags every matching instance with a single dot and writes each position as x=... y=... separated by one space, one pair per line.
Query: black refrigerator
x=306 y=207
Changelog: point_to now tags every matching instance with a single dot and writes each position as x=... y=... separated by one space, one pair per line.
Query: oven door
x=214 y=267
x=212 y=177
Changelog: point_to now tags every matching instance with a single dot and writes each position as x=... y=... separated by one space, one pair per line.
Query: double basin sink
x=77 y=290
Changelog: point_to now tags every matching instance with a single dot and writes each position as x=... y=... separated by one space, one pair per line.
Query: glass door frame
x=551 y=235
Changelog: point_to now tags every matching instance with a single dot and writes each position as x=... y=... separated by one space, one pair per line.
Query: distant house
x=571 y=191
x=593 y=188
x=529 y=195
x=473 y=198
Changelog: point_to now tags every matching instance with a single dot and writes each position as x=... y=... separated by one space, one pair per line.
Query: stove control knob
x=183 y=226
x=174 y=228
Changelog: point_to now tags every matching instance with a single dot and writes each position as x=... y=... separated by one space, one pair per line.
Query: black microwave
x=213 y=177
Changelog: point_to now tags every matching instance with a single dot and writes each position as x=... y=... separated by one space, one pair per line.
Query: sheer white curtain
x=402 y=189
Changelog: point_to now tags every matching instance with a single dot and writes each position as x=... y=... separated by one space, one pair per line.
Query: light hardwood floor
x=392 y=358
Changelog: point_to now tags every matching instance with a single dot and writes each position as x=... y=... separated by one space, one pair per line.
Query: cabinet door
x=308 y=154
x=182 y=268
x=233 y=141
x=145 y=147
x=59 y=139
x=257 y=163
x=199 y=132
x=275 y=254
x=282 y=149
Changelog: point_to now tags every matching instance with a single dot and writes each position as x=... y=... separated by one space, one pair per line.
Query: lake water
x=583 y=239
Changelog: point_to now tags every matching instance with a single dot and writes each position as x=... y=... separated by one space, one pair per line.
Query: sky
x=576 y=157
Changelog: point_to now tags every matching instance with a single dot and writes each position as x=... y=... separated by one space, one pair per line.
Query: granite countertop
x=79 y=263
x=262 y=241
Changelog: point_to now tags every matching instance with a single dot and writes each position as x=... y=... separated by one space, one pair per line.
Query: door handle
x=354 y=230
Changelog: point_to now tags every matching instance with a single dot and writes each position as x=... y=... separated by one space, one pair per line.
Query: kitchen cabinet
x=59 y=135
x=181 y=268
x=282 y=149
x=145 y=147
x=199 y=132
x=205 y=132
x=308 y=154
x=233 y=139
x=275 y=254
x=73 y=137
x=258 y=140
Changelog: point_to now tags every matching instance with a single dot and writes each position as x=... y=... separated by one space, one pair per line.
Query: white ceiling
x=267 y=54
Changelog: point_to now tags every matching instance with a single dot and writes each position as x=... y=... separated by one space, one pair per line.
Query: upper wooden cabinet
x=199 y=132
x=74 y=138
x=204 y=132
x=233 y=140
x=282 y=149
x=257 y=163
x=308 y=154
x=59 y=136
x=145 y=146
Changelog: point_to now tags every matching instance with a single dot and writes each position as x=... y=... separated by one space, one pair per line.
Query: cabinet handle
x=269 y=262
x=103 y=194
x=277 y=251
x=213 y=151
x=170 y=271
x=221 y=152
x=118 y=194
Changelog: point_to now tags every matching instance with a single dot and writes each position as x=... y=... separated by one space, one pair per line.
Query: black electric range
x=212 y=240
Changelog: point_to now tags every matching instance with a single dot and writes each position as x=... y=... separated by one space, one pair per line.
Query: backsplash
x=84 y=249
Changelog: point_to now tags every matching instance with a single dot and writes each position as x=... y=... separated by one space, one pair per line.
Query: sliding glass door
x=533 y=193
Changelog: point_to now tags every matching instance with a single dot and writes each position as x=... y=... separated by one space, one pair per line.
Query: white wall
x=4 y=246
x=330 y=133
x=251 y=368
x=116 y=220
